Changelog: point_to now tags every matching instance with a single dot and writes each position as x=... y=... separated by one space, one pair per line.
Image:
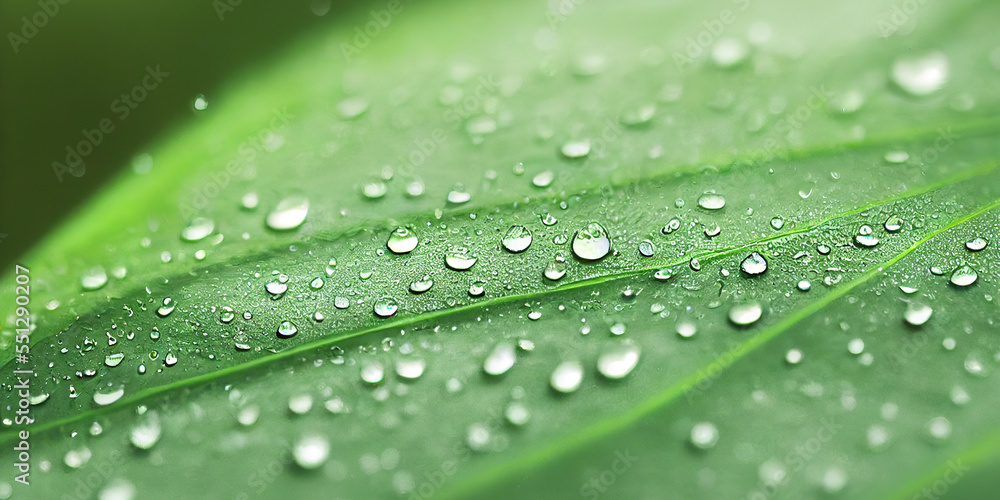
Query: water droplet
x=554 y=270
x=576 y=149
x=921 y=75
x=638 y=115
x=896 y=157
x=146 y=433
x=459 y=258
x=543 y=179
x=745 y=314
x=385 y=307
x=249 y=200
x=290 y=213
x=374 y=189
x=704 y=435
x=415 y=188
x=834 y=480
x=865 y=237
x=856 y=346
x=517 y=414
x=311 y=451
x=199 y=228
x=372 y=371
x=499 y=360
x=352 y=107
x=754 y=264
x=713 y=231
x=566 y=378
x=893 y=224
x=976 y=244
x=959 y=395
x=341 y=302
x=711 y=201
x=694 y=264
x=964 y=276
x=663 y=274
x=410 y=368
x=402 y=241
x=591 y=243
x=671 y=226
x=77 y=458
x=804 y=285
x=115 y=359
x=793 y=356
x=729 y=52
x=94 y=278
x=517 y=239
x=823 y=250
x=335 y=406
x=106 y=398
x=917 y=314
x=287 y=329
x=617 y=361
x=168 y=307
x=939 y=428
x=777 y=223
x=646 y=248
x=846 y=102
x=477 y=437
x=248 y=415
x=686 y=329
x=422 y=285
x=618 y=328
x=170 y=359
x=459 y=195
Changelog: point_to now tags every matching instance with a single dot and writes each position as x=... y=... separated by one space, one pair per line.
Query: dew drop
x=248 y=415
x=964 y=276
x=145 y=434
x=372 y=372
x=617 y=361
x=663 y=274
x=458 y=196
x=477 y=289
x=939 y=428
x=591 y=243
x=896 y=157
x=917 y=314
x=646 y=248
x=290 y=213
x=287 y=329
x=671 y=226
x=410 y=368
x=543 y=179
x=686 y=329
x=74 y=459
x=198 y=229
x=554 y=270
x=115 y=359
x=804 y=285
x=168 y=307
x=311 y=451
x=106 y=398
x=777 y=223
x=976 y=244
x=729 y=52
x=576 y=149
x=793 y=356
x=865 y=237
x=704 y=435
x=566 y=378
x=921 y=75
x=754 y=264
x=459 y=258
x=517 y=414
x=711 y=201
x=385 y=307
x=745 y=314
x=402 y=241
x=422 y=285
x=517 y=239
x=856 y=346
x=352 y=107
x=893 y=224
x=94 y=278
x=499 y=360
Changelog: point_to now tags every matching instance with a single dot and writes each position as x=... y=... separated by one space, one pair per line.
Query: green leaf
x=222 y=344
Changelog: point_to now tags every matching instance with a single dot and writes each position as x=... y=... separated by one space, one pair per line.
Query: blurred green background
x=66 y=76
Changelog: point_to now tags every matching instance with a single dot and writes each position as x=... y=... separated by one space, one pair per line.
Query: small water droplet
x=964 y=276
x=618 y=328
x=422 y=285
x=976 y=244
x=793 y=356
x=168 y=307
x=459 y=258
x=920 y=75
x=94 y=278
x=686 y=329
x=517 y=414
x=352 y=107
x=311 y=451
x=777 y=223
x=939 y=428
x=458 y=195
x=74 y=459
x=576 y=149
x=856 y=346
x=287 y=329
x=917 y=314
x=896 y=157
x=543 y=179
x=646 y=248
x=704 y=435
x=804 y=285
x=663 y=274
x=554 y=270
x=145 y=434
x=729 y=52
x=115 y=359
x=106 y=398
x=671 y=226
x=477 y=289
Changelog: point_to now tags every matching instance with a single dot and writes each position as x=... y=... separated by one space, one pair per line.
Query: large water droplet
x=372 y=372
x=591 y=243
x=146 y=433
x=198 y=229
x=754 y=264
x=517 y=414
x=459 y=258
x=704 y=435
x=921 y=75
x=402 y=240
x=964 y=276
x=745 y=314
x=576 y=149
x=865 y=237
x=421 y=285
x=517 y=239
x=94 y=278
x=287 y=329
x=543 y=179
x=77 y=458
x=168 y=307
x=352 y=107
x=410 y=368
x=290 y=213
x=893 y=224
x=566 y=378
x=554 y=270
x=499 y=360
x=115 y=359
x=711 y=201
x=385 y=307
x=109 y=396
x=917 y=314
x=618 y=360
x=976 y=244
x=311 y=451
